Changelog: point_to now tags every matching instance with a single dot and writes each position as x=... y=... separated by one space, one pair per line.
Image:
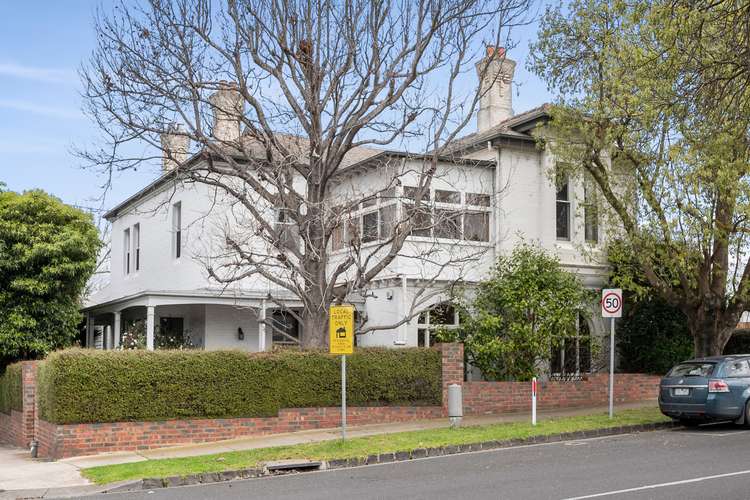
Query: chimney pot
x=492 y=50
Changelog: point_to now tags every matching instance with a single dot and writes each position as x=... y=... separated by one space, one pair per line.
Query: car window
x=738 y=368
x=692 y=370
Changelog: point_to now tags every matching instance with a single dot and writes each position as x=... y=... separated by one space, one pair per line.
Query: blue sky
x=42 y=44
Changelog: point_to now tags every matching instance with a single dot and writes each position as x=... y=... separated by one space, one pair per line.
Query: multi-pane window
x=441 y=214
x=284 y=328
x=443 y=315
x=573 y=356
x=370 y=227
x=286 y=228
x=177 y=230
x=126 y=250
x=562 y=216
x=137 y=246
x=590 y=213
x=374 y=219
x=448 y=218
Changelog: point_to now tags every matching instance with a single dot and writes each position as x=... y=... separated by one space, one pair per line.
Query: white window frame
x=137 y=247
x=423 y=323
x=568 y=203
x=126 y=251
x=577 y=338
x=177 y=240
x=374 y=204
x=462 y=207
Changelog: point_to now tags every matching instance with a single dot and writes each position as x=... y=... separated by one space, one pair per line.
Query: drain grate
x=293 y=465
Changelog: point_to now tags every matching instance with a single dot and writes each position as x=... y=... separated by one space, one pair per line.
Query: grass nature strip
x=364 y=446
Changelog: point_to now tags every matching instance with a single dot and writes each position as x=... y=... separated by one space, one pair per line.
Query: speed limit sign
x=612 y=303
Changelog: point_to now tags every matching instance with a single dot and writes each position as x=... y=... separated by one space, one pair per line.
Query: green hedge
x=82 y=386
x=10 y=389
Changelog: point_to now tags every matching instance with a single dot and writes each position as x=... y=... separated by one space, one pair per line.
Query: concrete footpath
x=23 y=477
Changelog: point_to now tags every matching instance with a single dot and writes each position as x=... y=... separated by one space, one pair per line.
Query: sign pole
x=533 y=401
x=611 y=367
x=611 y=308
x=341 y=341
x=343 y=396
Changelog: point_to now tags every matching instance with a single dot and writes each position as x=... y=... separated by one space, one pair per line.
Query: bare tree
x=280 y=100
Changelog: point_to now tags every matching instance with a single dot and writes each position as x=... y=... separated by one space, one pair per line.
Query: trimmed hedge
x=85 y=386
x=11 y=396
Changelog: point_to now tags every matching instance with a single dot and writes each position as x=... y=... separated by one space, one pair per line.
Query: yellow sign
x=341 y=327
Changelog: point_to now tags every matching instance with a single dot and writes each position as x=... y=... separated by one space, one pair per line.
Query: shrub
x=522 y=311
x=47 y=254
x=10 y=389
x=653 y=337
x=83 y=386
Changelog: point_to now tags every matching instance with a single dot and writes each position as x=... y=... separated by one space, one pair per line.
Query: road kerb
x=389 y=457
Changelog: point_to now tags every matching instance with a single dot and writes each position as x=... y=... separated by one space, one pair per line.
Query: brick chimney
x=175 y=144
x=227 y=106
x=496 y=101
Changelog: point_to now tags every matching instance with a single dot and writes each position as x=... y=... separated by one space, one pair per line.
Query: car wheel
x=689 y=422
x=747 y=414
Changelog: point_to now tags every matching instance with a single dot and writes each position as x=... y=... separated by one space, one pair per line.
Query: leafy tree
x=47 y=253
x=654 y=110
x=527 y=307
x=653 y=335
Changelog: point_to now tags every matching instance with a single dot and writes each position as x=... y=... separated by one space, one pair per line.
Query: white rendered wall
x=222 y=323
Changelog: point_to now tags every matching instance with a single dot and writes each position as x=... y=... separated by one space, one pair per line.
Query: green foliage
x=78 y=386
x=47 y=253
x=653 y=337
x=10 y=389
x=653 y=107
x=528 y=306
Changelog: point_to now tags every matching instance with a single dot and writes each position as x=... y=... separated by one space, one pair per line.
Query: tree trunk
x=709 y=339
x=314 y=329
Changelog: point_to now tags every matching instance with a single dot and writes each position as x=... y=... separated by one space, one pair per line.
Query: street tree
x=312 y=86
x=652 y=112
x=47 y=253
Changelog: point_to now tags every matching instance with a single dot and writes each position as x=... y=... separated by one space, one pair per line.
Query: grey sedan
x=708 y=389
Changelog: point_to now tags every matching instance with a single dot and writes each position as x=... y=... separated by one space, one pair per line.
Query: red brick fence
x=480 y=398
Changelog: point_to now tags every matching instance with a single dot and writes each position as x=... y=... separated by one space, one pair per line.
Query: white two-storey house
x=495 y=191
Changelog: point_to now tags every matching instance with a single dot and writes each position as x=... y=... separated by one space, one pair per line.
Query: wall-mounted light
x=240 y=334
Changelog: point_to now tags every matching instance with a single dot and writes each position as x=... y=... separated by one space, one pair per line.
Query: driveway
x=704 y=463
x=19 y=472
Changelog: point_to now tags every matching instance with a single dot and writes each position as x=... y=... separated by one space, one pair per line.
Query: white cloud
x=40 y=109
x=45 y=75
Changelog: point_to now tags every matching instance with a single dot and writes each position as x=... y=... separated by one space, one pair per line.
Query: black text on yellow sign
x=341 y=328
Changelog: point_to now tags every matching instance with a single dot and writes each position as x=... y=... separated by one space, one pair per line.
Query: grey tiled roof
x=299 y=148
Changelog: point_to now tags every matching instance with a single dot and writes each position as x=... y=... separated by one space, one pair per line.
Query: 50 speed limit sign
x=612 y=303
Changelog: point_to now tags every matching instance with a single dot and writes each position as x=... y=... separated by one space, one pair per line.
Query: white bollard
x=533 y=401
x=455 y=404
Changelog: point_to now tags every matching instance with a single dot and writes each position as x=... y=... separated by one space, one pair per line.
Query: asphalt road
x=704 y=463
